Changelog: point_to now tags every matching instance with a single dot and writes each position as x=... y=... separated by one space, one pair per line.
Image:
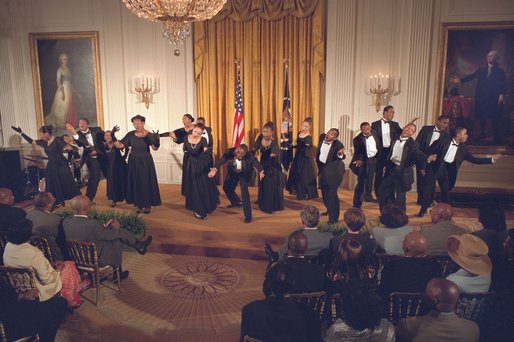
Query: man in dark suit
x=309 y=277
x=23 y=315
x=364 y=163
x=387 y=131
x=491 y=89
x=107 y=237
x=240 y=166
x=452 y=153
x=399 y=176
x=91 y=139
x=8 y=213
x=207 y=132
x=329 y=158
x=426 y=138
x=48 y=225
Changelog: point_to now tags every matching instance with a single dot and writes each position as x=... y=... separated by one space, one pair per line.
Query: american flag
x=238 y=133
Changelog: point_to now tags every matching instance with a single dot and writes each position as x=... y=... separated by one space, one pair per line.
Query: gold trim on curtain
x=260 y=34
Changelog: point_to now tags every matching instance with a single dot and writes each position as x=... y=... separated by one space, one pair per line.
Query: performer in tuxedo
x=387 y=131
x=426 y=138
x=329 y=157
x=240 y=166
x=91 y=139
x=364 y=162
x=453 y=152
x=399 y=174
x=178 y=137
x=207 y=132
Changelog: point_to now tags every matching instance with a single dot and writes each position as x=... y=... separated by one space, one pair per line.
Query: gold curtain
x=261 y=34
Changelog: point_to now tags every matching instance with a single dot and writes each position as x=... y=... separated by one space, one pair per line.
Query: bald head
x=81 y=205
x=444 y=294
x=6 y=196
x=415 y=245
x=441 y=212
x=297 y=243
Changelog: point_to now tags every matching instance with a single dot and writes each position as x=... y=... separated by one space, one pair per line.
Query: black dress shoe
x=142 y=245
x=422 y=212
x=238 y=205
x=123 y=275
x=325 y=213
x=198 y=216
x=146 y=210
x=248 y=219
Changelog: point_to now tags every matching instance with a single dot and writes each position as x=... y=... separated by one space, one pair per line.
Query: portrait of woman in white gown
x=64 y=107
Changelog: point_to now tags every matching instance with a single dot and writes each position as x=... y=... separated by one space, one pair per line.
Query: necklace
x=266 y=147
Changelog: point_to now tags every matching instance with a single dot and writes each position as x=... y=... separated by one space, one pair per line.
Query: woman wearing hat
x=470 y=253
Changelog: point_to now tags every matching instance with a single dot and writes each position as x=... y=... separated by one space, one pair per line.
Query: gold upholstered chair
x=403 y=305
x=42 y=244
x=21 y=279
x=86 y=259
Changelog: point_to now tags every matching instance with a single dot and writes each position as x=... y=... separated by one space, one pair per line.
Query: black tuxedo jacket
x=425 y=135
x=248 y=163
x=360 y=152
x=333 y=170
x=411 y=156
x=98 y=138
x=209 y=134
x=462 y=154
x=394 y=130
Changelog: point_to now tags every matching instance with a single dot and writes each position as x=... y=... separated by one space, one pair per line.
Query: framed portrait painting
x=475 y=84
x=66 y=73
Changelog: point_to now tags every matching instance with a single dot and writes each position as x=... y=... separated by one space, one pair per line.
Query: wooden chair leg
x=97 y=276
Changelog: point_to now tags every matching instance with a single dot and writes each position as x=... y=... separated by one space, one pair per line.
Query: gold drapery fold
x=261 y=35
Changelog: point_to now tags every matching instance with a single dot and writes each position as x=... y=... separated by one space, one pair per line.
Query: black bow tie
x=368 y=136
x=327 y=142
x=86 y=132
x=454 y=144
x=386 y=122
x=437 y=130
x=403 y=140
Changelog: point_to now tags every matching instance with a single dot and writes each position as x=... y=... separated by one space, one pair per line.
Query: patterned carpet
x=170 y=297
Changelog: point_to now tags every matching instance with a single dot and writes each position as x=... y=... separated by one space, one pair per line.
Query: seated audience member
x=317 y=241
x=61 y=279
x=412 y=272
x=350 y=263
x=492 y=217
x=442 y=226
x=108 y=238
x=8 y=213
x=355 y=221
x=470 y=253
x=47 y=225
x=441 y=324
x=23 y=315
x=275 y=319
x=390 y=238
x=363 y=314
x=308 y=277
x=502 y=277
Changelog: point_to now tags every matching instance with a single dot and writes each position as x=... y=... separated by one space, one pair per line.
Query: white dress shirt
x=398 y=146
x=371 y=146
x=323 y=152
x=88 y=135
x=386 y=133
x=435 y=136
x=205 y=135
x=452 y=151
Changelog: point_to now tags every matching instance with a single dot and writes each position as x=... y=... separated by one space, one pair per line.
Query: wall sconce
x=380 y=85
x=144 y=86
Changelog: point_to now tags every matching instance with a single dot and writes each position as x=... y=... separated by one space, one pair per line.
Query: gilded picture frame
x=67 y=78
x=473 y=92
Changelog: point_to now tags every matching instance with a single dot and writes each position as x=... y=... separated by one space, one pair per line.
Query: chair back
x=474 y=306
x=83 y=253
x=403 y=305
x=448 y=266
x=21 y=279
x=314 y=301
x=43 y=245
x=3 y=242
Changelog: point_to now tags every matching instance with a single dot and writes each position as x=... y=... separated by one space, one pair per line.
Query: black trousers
x=388 y=191
x=364 y=182
x=93 y=169
x=331 y=200
x=229 y=187
x=382 y=160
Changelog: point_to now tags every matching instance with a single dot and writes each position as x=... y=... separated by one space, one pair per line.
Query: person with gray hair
x=442 y=226
x=48 y=225
x=317 y=241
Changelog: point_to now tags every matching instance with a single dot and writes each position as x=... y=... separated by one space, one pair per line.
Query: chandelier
x=176 y=15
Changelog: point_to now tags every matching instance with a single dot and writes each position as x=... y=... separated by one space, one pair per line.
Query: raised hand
x=115 y=129
x=17 y=129
x=70 y=128
x=261 y=175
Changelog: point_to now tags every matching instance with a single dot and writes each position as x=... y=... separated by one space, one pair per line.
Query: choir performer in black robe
x=59 y=179
x=302 y=178
x=271 y=195
x=142 y=186
x=116 y=171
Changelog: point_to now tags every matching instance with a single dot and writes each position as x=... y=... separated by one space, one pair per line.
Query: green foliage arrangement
x=129 y=221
